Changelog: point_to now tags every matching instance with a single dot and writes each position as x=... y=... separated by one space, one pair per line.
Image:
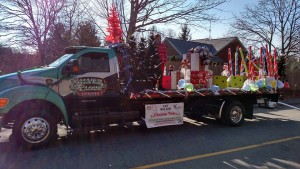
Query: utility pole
x=209 y=29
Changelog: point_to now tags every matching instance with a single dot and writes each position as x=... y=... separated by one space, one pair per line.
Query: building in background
x=218 y=47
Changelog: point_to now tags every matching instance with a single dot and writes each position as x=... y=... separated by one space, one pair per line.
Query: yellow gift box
x=237 y=81
x=220 y=81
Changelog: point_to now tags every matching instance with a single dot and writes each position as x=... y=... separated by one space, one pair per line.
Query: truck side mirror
x=71 y=68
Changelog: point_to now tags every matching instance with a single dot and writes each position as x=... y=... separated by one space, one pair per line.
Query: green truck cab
x=84 y=82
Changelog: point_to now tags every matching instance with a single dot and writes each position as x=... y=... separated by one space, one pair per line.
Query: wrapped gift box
x=220 y=81
x=174 y=79
x=195 y=74
x=203 y=81
x=237 y=81
x=195 y=81
x=166 y=82
x=195 y=61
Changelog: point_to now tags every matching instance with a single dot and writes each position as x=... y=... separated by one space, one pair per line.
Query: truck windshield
x=60 y=60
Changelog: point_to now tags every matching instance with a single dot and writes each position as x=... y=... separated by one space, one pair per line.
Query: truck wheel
x=234 y=114
x=34 y=130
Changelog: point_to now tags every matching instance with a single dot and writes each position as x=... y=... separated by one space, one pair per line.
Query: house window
x=94 y=62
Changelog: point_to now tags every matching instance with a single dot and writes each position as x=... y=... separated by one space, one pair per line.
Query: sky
x=220 y=28
x=225 y=13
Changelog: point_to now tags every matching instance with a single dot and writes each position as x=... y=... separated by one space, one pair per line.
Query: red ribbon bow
x=185 y=64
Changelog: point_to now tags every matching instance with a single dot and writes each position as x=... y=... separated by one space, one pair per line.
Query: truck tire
x=233 y=114
x=35 y=128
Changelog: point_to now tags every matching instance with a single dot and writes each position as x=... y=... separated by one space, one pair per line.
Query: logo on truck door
x=88 y=86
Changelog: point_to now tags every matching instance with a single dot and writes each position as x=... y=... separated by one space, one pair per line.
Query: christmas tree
x=152 y=61
x=141 y=58
x=281 y=68
x=114 y=29
x=133 y=54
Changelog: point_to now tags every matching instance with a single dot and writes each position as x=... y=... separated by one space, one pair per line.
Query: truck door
x=95 y=89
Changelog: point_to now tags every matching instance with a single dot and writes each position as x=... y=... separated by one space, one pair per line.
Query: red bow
x=185 y=64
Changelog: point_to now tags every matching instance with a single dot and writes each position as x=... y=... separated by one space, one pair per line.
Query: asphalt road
x=271 y=140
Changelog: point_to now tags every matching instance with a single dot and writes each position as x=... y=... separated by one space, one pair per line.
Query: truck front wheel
x=34 y=130
x=233 y=114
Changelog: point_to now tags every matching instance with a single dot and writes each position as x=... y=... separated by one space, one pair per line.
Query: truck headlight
x=3 y=102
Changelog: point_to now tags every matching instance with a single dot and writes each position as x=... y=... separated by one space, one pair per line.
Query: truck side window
x=94 y=62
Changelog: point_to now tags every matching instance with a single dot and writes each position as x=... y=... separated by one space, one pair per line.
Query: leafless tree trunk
x=28 y=21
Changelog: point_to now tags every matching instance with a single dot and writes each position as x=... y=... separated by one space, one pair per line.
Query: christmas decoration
x=269 y=62
x=251 y=66
x=243 y=61
x=152 y=60
x=181 y=83
x=236 y=59
x=204 y=54
x=229 y=62
x=185 y=64
x=225 y=71
x=114 y=29
x=275 y=64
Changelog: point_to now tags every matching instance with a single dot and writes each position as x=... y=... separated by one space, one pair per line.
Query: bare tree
x=73 y=13
x=29 y=21
x=257 y=24
x=268 y=21
x=185 y=33
x=171 y=33
x=139 y=15
x=288 y=13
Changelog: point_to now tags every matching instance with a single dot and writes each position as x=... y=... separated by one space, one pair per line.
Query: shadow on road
x=127 y=147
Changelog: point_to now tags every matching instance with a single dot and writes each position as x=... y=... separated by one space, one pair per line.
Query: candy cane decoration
x=236 y=59
x=263 y=60
x=275 y=64
x=242 y=68
x=269 y=62
x=243 y=59
x=229 y=62
x=251 y=68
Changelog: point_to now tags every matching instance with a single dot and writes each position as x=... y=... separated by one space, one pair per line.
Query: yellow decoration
x=220 y=81
x=237 y=81
x=274 y=84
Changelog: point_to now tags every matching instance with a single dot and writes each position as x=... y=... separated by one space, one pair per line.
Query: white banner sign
x=157 y=115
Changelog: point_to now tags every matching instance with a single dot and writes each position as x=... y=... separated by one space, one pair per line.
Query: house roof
x=219 y=44
x=182 y=47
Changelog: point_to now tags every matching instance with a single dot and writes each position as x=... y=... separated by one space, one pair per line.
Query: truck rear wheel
x=233 y=114
x=35 y=128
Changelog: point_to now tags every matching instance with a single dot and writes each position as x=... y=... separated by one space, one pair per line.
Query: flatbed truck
x=83 y=89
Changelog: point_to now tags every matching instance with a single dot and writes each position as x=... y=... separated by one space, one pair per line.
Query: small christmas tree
x=281 y=68
x=114 y=29
x=141 y=54
x=152 y=61
x=133 y=54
